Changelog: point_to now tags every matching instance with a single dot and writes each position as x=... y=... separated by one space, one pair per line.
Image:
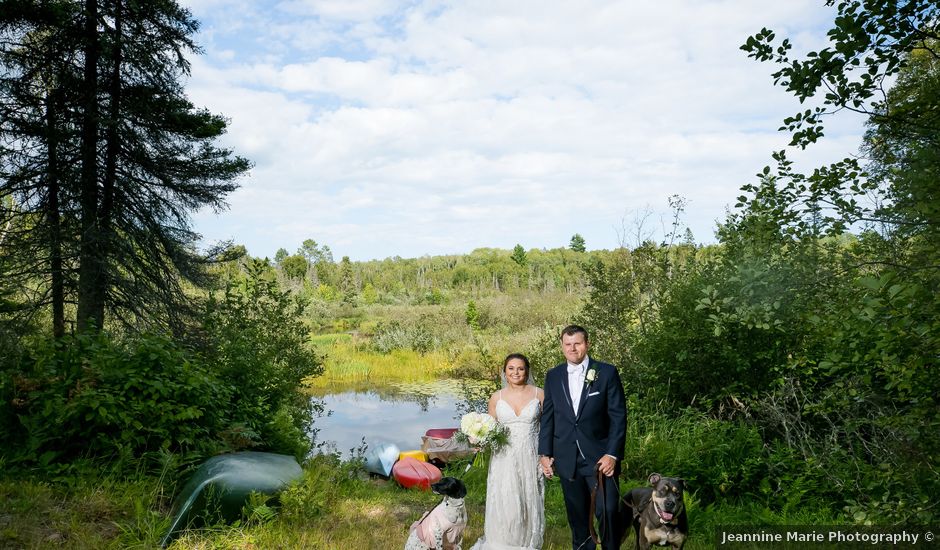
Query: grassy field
x=83 y=513
x=334 y=506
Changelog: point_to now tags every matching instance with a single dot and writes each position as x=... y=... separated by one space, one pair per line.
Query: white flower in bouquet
x=476 y=426
x=482 y=431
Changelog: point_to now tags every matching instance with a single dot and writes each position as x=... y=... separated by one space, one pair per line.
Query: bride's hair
x=525 y=361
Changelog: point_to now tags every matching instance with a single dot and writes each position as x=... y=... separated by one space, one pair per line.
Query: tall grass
x=324 y=341
x=721 y=459
x=349 y=360
x=90 y=513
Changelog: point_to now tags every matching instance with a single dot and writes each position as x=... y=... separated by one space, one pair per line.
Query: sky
x=388 y=128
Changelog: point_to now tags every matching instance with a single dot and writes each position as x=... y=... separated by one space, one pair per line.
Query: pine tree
x=38 y=154
x=347 y=280
x=518 y=255
x=138 y=156
x=577 y=243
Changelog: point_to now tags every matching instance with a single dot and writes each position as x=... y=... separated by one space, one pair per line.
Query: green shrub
x=395 y=335
x=259 y=344
x=99 y=398
x=326 y=480
x=90 y=396
x=719 y=459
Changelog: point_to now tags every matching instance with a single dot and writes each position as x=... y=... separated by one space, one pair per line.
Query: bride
x=515 y=513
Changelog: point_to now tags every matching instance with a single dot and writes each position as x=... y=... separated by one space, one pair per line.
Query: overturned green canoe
x=220 y=487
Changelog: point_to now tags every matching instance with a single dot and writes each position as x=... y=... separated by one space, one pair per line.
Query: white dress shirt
x=576 y=382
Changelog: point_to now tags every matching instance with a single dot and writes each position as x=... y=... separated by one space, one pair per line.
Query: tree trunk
x=90 y=296
x=53 y=216
x=112 y=147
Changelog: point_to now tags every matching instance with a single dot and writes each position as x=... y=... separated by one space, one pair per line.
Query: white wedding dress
x=515 y=487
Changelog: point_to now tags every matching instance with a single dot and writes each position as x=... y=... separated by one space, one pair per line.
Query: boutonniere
x=590 y=375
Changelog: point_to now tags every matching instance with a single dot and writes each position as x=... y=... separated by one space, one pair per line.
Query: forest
x=787 y=371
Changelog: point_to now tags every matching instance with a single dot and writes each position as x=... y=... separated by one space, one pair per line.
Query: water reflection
x=396 y=412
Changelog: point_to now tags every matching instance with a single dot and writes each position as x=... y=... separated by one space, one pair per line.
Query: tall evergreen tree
x=518 y=255
x=347 y=280
x=146 y=156
x=160 y=163
x=38 y=44
x=577 y=243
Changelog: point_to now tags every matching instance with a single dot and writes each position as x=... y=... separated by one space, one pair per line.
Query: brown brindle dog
x=659 y=513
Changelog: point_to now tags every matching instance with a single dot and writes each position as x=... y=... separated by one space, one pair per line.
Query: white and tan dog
x=442 y=527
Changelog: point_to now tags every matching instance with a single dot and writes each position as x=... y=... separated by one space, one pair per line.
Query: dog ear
x=460 y=490
x=442 y=486
x=654 y=478
x=681 y=482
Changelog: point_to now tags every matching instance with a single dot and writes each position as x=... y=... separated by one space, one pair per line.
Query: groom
x=583 y=428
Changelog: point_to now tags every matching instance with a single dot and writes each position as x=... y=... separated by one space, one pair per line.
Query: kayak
x=417 y=454
x=411 y=473
x=381 y=458
x=220 y=487
x=441 y=433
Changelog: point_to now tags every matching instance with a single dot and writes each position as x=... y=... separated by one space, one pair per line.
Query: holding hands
x=605 y=465
x=546 y=463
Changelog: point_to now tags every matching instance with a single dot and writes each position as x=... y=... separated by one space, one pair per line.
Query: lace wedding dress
x=515 y=510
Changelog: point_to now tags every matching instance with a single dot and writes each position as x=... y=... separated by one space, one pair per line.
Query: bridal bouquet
x=482 y=431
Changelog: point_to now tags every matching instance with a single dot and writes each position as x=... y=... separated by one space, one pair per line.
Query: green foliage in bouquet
x=482 y=432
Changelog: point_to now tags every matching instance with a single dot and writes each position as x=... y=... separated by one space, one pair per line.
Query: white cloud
x=343 y=10
x=382 y=128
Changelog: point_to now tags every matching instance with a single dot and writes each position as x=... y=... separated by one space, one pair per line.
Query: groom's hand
x=546 y=462
x=606 y=465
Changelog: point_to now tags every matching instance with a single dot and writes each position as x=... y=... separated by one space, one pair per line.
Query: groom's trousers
x=577 y=494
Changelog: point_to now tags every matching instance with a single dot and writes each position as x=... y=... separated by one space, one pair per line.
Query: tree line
x=430 y=279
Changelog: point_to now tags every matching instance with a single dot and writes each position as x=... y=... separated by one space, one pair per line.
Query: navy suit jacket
x=600 y=426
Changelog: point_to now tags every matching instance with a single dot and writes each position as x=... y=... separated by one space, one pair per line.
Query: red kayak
x=441 y=433
x=409 y=472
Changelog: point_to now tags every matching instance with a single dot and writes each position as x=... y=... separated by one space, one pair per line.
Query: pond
x=389 y=412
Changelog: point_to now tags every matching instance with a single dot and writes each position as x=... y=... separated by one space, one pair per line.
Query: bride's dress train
x=515 y=510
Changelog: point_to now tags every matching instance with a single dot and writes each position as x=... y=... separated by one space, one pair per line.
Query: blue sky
x=385 y=128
